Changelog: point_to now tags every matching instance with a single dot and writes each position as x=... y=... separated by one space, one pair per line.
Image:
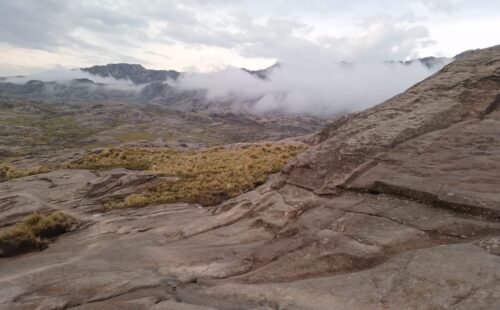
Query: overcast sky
x=208 y=35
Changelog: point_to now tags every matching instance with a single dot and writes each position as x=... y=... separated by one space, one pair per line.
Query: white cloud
x=80 y=33
x=446 y=6
x=317 y=87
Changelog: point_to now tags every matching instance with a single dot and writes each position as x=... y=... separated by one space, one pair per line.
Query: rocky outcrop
x=395 y=207
x=454 y=110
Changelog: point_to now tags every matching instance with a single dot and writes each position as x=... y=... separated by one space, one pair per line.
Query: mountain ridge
x=135 y=73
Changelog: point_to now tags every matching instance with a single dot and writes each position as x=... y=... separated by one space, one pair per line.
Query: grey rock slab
x=368 y=218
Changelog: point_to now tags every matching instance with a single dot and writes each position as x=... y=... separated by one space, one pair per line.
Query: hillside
x=394 y=207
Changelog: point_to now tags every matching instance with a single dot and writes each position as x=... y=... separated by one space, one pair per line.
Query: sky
x=210 y=35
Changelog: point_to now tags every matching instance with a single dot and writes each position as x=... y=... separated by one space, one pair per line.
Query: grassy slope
x=206 y=177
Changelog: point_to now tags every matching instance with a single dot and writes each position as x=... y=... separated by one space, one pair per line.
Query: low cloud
x=321 y=87
x=310 y=88
x=64 y=76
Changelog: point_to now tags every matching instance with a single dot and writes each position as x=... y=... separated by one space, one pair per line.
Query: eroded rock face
x=396 y=207
x=465 y=92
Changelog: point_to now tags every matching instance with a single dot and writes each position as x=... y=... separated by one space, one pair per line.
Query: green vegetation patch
x=207 y=177
x=33 y=232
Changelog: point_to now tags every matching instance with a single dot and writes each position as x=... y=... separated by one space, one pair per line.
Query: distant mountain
x=30 y=88
x=133 y=72
x=150 y=85
x=76 y=89
x=430 y=62
x=263 y=73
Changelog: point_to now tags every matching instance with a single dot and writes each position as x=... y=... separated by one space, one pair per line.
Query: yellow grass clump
x=29 y=234
x=8 y=172
x=205 y=176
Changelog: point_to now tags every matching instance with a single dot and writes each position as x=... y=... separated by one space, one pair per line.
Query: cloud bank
x=320 y=88
x=65 y=76
x=212 y=34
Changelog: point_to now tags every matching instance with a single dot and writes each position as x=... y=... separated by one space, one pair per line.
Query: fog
x=321 y=88
x=63 y=76
x=311 y=88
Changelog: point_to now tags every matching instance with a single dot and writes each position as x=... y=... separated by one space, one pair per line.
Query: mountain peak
x=263 y=73
x=136 y=73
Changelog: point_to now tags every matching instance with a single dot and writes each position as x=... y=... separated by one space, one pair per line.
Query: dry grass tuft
x=206 y=177
x=31 y=232
x=8 y=172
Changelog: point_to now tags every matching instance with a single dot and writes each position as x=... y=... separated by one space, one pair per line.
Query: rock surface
x=396 y=207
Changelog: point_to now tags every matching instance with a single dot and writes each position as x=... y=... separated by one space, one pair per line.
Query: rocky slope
x=395 y=207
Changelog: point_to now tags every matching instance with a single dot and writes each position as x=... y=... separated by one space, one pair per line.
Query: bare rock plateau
x=395 y=207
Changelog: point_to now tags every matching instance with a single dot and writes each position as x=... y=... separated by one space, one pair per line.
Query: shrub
x=8 y=172
x=32 y=232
